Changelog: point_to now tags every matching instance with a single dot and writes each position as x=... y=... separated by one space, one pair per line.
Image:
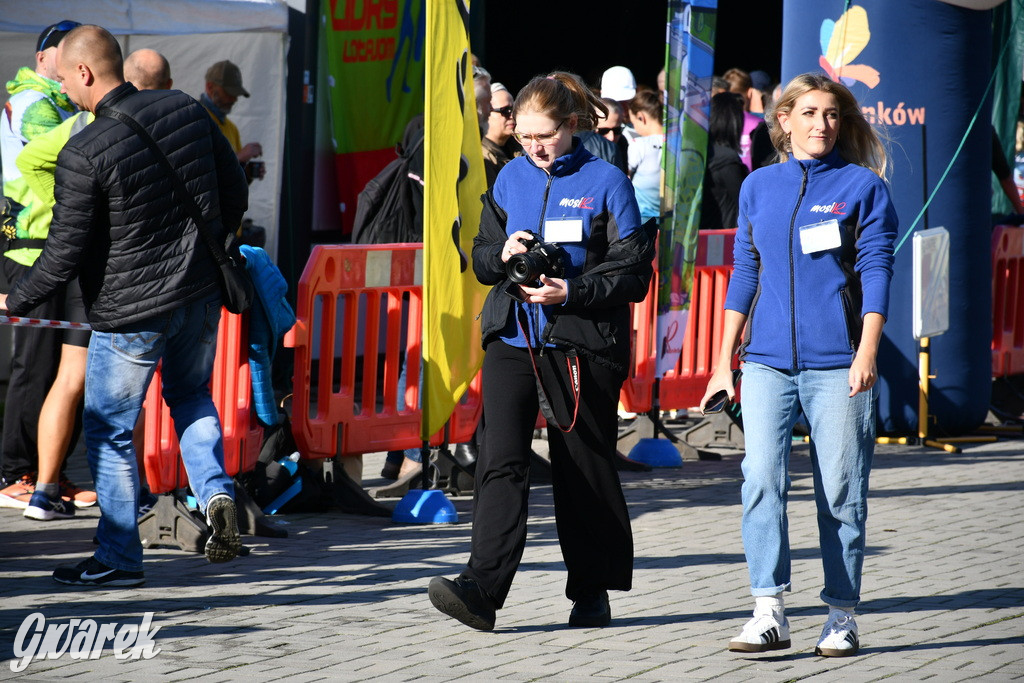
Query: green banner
x=690 y=58
x=375 y=70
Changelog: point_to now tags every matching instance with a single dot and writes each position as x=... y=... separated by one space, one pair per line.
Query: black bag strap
x=182 y=193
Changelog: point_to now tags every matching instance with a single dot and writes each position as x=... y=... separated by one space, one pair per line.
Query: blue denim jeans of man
x=842 y=444
x=119 y=369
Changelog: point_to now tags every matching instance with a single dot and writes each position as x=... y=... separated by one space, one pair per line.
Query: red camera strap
x=572 y=365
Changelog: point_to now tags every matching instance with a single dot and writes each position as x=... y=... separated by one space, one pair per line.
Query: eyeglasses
x=603 y=132
x=62 y=27
x=525 y=139
x=505 y=111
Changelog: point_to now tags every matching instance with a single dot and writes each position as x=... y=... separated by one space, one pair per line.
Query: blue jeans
x=119 y=369
x=414 y=454
x=842 y=444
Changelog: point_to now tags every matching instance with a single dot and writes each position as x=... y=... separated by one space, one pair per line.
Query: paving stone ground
x=344 y=596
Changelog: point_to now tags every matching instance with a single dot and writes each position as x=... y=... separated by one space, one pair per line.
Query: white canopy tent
x=192 y=34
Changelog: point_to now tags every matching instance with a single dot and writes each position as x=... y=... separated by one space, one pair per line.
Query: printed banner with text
x=689 y=69
x=374 y=52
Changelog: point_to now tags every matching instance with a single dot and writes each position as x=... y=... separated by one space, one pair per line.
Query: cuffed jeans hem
x=836 y=602
x=768 y=592
x=114 y=564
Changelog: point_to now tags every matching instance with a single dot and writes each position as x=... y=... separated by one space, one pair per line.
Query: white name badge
x=820 y=236
x=563 y=230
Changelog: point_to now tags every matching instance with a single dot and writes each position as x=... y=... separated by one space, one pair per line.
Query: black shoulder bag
x=235 y=282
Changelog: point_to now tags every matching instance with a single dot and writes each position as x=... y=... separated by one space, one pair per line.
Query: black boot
x=465 y=455
x=591 y=610
x=462 y=599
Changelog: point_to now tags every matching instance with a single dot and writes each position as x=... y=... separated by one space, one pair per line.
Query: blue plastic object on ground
x=425 y=507
x=656 y=453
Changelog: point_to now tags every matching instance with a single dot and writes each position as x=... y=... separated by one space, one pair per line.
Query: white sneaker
x=839 y=637
x=762 y=633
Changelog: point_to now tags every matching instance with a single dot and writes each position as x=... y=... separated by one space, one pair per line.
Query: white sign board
x=931 y=282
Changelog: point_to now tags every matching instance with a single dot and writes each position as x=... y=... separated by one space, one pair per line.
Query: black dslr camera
x=543 y=258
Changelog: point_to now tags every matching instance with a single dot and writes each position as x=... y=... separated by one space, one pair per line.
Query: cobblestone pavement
x=344 y=597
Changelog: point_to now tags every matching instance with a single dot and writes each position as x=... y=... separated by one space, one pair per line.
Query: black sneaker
x=92 y=572
x=462 y=599
x=224 y=542
x=591 y=611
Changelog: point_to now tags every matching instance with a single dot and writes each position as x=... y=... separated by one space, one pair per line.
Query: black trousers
x=590 y=511
x=34 y=359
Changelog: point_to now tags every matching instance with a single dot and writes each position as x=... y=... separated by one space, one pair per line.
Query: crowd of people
x=88 y=140
x=566 y=241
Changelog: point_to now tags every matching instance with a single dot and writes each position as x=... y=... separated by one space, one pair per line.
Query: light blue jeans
x=842 y=444
x=119 y=369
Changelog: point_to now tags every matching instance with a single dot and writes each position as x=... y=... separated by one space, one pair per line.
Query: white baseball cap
x=618 y=83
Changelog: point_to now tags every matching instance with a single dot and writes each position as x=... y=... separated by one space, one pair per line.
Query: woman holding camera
x=566 y=226
x=813 y=259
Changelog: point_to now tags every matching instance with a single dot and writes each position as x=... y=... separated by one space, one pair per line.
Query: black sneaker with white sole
x=224 y=542
x=92 y=572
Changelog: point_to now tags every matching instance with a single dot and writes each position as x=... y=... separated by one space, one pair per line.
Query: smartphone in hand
x=717 y=402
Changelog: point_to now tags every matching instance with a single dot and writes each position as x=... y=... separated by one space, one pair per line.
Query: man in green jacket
x=36 y=105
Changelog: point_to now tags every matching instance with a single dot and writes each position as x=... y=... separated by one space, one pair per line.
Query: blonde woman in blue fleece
x=813 y=261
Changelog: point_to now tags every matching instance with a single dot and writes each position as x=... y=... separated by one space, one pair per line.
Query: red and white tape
x=42 y=322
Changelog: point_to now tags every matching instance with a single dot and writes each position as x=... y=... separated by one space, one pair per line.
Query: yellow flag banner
x=451 y=205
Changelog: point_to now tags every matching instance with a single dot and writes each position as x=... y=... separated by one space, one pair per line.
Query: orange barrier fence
x=359 y=313
x=684 y=385
x=231 y=388
x=1007 y=301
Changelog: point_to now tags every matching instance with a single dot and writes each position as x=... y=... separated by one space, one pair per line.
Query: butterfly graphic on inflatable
x=841 y=42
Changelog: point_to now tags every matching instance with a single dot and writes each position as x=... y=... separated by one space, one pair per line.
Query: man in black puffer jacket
x=150 y=287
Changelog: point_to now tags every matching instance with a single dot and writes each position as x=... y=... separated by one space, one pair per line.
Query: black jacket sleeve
x=624 y=275
x=489 y=241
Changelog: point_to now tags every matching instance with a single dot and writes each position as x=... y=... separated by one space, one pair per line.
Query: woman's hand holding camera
x=514 y=246
x=552 y=291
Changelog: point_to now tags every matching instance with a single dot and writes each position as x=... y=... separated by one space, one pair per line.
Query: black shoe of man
x=462 y=599
x=591 y=611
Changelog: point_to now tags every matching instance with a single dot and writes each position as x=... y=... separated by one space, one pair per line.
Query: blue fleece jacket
x=580 y=186
x=806 y=310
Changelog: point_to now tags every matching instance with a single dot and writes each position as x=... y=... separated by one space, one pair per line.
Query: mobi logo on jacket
x=836 y=208
x=581 y=203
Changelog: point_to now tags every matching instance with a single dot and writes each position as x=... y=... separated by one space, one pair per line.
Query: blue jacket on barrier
x=270 y=317
x=806 y=310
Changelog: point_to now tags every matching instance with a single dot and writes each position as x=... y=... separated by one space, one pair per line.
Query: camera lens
x=522 y=269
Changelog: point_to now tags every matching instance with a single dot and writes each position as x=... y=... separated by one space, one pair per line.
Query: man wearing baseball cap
x=36 y=105
x=223 y=88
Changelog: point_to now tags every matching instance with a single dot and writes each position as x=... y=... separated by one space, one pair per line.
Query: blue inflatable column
x=919 y=68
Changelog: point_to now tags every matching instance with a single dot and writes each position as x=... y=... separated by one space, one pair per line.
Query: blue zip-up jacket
x=806 y=310
x=606 y=269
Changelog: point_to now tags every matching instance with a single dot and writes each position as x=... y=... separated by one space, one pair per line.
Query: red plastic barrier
x=1007 y=301
x=684 y=385
x=232 y=394
x=364 y=305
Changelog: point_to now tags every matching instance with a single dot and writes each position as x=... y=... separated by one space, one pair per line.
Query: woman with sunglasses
x=500 y=146
x=559 y=343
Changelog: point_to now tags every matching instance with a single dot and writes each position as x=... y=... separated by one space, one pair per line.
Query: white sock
x=840 y=612
x=769 y=603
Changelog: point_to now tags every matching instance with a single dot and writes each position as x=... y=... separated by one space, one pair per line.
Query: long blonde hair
x=858 y=141
x=561 y=95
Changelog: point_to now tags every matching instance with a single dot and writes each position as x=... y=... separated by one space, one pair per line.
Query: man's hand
x=250 y=151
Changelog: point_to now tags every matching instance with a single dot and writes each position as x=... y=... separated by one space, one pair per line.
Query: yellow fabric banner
x=451 y=206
